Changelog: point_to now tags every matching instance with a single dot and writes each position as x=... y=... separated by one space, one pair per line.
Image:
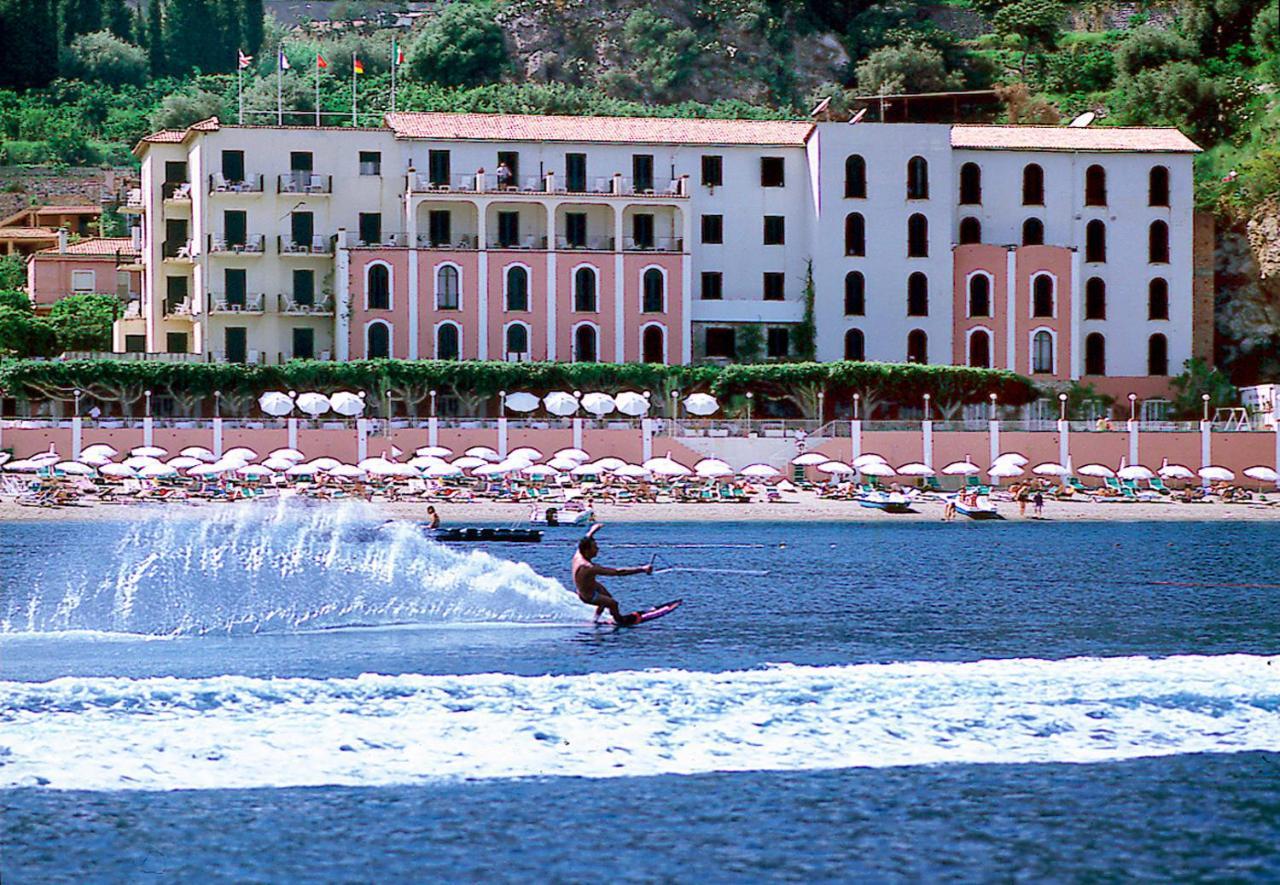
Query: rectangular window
x=712 y=285
x=135 y=343
x=773 y=172
x=304 y=288
x=175 y=237
x=575 y=229
x=233 y=166
x=712 y=170
x=304 y=344
x=235 y=227
x=175 y=171
x=83 y=281
x=124 y=285
x=510 y=159
x=370 y=228
x=508 y=229
x=302 y=229
x=440 y=227
x=775 y=230
x=575 y=172
x=438 y=168
x=301 y=161
x=713 y=229
x=370 y=162
x=236 y=283
x=774 y=286
x=642 y=172
x=175 y=342
x=236 y=342
x=175 y=292
x=721 y=342
x=642 y=230
x=778 y=343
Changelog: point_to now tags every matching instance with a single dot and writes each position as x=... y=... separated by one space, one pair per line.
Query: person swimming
x=590 y=590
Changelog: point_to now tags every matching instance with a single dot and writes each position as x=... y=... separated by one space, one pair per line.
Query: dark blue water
x=833 y=596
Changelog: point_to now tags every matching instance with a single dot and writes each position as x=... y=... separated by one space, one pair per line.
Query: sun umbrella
x=632 y=471
x=240 y=453
x=631 y=403
x=521 y=402
x=199 y=452
x=302 y=470
x=809 y=459
x=666 y=467
x=560 y=403
x=609 y=463
x=434 y=451
x=785 y=486
x=288 y=454
x=347 y=471
x=1100 y=471
x=369 y=463
x=1214 y=473
x=1262 y=474
x=313 y=404
x=155 y=471
x=525 y=452
x=869 y=458
x=25 y=465
x=441 y=469
x=760 y=471
x=539 y=470
x=961 y=468
x=137 y=462
x=573 y=454
x=73 y=468
x=345 y=403
x=227 y=465
x=116 y=471
x=587 y=470
x=94 y=459
x=424 y=461
x=1135 y=471
x=712 y=468
x=183 y=462
x=701 y=404
x=1176 y=471
x=325 y=463
x=99 y=449
x=839 y=467
x=275 y=403
x=562 y=463
x=483 y=452
x=916 y=468
x=1050 y=468
x=1005 y=470
x=391 y=468
x=876 y=468
x=468 y=462
x=149 y=452
x=1012 y=458
x=598 y=404
x=256 y=471
x=491 y=470
x=278 y=465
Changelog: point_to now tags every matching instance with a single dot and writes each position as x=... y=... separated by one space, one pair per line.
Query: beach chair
x=972 y=482
x=931 y=484
x=1156 y=484
x=1075 y=483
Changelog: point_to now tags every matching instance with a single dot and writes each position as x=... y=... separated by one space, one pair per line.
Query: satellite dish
x=857 y=118
x=1083 y=120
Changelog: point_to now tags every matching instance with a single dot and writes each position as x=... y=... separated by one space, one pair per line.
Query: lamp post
x=1204 y=398
x=217 y=404
x=147 y=395
x=750 y=397
x=77 y=395
x=993 y=407
x=1062 y=407
x=1133 y=407
x=675 y=404
x=822 y=411
x=857 y=398
x=502 y=404
x=927 y=397
x=432 y=394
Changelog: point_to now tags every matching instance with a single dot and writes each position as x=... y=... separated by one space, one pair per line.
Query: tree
x=1181 y=94
x=15 y=299
x=807 y=332
x=297 y=95
x=117 y=18
x=252 y=24
x=662 y=56
x=1196 y=380
x=155 y=39
x=23 y=334
x=1035 y=24
x=28 y=43
x=462 y=46
x=80 y=17
x=1266 y=39
x=13 y=272
x=189 y=43
x=180 y=110
x=105 y=58
x=907 y=68
x=83 y=322
x=1147 y=47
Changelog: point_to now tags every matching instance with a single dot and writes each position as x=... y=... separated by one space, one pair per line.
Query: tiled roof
x=166 y=136
x=98 y=246
x=69 y=210
x=28 y=233
x=1067 y=138
x=604 y=130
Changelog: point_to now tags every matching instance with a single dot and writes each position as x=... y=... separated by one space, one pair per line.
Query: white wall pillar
x=482 y=284
x=217 y=438
x=76 y=423
x=1206 y=443
x=619 y=296
x=855 y=440
x=577 y=433
x=1011 y=311
x=926 y=430
x=502 y=437
x=147 y=425
x=1133 y=442
x=646 y=439
x=1075 y=366
x=362 y=438
x=993 y=434
x=342 y=300
x=1064 y=444
x=686 y=285
x=433 y=431
x=551 y=291
x=293 y=433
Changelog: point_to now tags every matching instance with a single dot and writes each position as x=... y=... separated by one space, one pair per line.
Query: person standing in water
x=433 y=519
x=590 y=590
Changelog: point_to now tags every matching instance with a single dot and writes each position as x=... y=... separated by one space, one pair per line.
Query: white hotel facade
x=1061 y=253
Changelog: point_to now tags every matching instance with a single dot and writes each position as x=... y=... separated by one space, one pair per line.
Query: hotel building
x=1062 y=253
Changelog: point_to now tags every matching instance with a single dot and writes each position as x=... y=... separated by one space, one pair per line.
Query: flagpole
x=280 y=85
x=317 y=90
x=395 y=63
x=353 y=90
x=239 y=90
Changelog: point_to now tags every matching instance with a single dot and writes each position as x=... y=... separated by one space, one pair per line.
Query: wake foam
x=224 y=732
x=247 y=570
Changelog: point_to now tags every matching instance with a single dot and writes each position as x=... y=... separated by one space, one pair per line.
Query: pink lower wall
x=49 y=276
x=398 y=314
x=567 y=264
x=500 y=261
x=671 y=318
x=1032 y=261
x=993 y=261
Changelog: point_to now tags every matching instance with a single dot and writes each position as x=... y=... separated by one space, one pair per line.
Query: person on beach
x=590 y=590
x=1038 y=501
x=433 y=519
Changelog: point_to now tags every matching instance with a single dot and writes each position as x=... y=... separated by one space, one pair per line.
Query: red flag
x=400 y=56
x=320 y=62
x=358 y=65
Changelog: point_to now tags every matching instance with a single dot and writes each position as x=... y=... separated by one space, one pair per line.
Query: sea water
x=967 y=701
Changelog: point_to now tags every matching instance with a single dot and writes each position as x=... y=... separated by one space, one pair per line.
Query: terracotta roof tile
x=69 y=210
x=1066 y=138
x=27 y=233
x=605 y=130
x=166 y=136
x=97 y=246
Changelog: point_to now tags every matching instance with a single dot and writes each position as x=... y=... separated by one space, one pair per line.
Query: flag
x=320 y=62
x=244 y=59
x=284 y=60
x=357 y=65
x=399 y=55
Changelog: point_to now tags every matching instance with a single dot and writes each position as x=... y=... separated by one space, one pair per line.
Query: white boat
x=982 y=508
x=555 y=516
x=889 y=502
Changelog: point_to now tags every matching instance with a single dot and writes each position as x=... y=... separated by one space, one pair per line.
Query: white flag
x=284 y=60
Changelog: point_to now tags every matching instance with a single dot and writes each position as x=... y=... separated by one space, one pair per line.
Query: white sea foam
x=230 y=731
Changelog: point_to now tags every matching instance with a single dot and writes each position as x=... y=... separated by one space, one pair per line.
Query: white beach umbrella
x=712 y=468
x=839 y=467
x=148 y=452
x=525 y=452
x=423 y=462
x=809 y=459
x=347 y=471
x=876 y=468
x=325 y=463
x=239 y=453
x=1005 y=470
x=786 y=485
x=94 y=459
x=301 y=470
x=1050 y=468
x=631 y=403
x=916 y=468
x=491 y=470
x=1100 y=471
x=99 y=449
x=440 y=470
x=609 y=462
x=155 y=471
x=392 y=469
x=200 y=452
x=701 y=404
x=760 y=471
x=255 y=471
x=1012 y=458
x=587 y=470
x=278 y=465
x=562 y=463
x=521 y=402
x=468 y=462
x=137 y=462
x=117 y=471
x=275 y=403
x=514 y=465
x=313 y=404
x=666 y=466
x=228 y=465
x=346 y=403
x=184 y=462
x=1135 y=472
x=539 y=470
x=369 y=463
x=483 y=452
x=434 y=452
x=1214 y=473
x=1176 y=471
x=869 y=458
x=598 y=404
x=23 y=465
x=74 y=468
x=632 y=471
x=961 y=468
x=288 y=455
x=560 y=403
x=573 y=455
x=1262 y=473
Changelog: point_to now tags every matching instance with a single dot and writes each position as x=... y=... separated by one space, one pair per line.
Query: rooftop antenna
x=1083 y=120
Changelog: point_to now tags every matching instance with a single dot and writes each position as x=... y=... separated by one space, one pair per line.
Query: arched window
x=855 y=345
x=653 y=345
x=1158 y=243
x=1042 y=353
x=447 y=342
x=917 y=346
x=1095 y=354
x=979 y=295
x=517 y=288
x=378 y=287
x=855 y=234
x=1157 y=355
x=855 y=177
x=1158 y=186
x=970 y=184
x=654 y=300
x=584 y=290
x=517 y=340
x=1095 y=186
x=980 y=349
x=584 y=345
x=1042 y=296
x=917 y=236
x=970 y=231
x=1095 y=299
x=917 y=295
x=1095 y=241
x=377 y=341
x=917 y=179
x=1158 y=299
x=1033 y=232
x=1032 y=185
x=447 y=288
x=855 y=294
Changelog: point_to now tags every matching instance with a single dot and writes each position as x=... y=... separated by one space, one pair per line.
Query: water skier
x=590 y=590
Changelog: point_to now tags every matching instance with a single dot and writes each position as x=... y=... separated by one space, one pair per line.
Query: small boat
x=557 y=516
x=476 y=535
x=889 y=502
x=982 y=508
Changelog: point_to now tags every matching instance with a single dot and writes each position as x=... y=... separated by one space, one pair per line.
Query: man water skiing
x=590 y=590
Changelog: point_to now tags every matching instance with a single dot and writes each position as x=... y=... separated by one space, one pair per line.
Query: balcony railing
x=183 y=308
x=287 y=304
x=353 y=240
x=176 y=190
x=529 y=242
x=463 y=243
x=590 y=244
x=612 y=185
x=220 y=184
x=133 y=202
x=253 y=244
x=305 y=183
x=178 y=250
x=654 y=244
x=250 y=303
x=319 y=245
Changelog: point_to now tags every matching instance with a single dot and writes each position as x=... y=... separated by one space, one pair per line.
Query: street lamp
x=1204 y=397
x=675 y=404
x=502 y=404
x=432 y=394
x=822 y=412
x=750 y=397
x=993 y=407
x=927 y=397
x=217 y=404
x=77 y=393
x=1062 y=407
x=388 y=406
x=147 y=394
x=1133 y=407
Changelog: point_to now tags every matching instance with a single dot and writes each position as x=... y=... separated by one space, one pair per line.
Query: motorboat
x=889 y=502
x=981 y=508
x=560 y=516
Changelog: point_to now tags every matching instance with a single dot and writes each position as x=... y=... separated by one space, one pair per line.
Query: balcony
x=351 y=240
x=133 y=204
x=220 y=184
x=253 y=244
x=654 y=244
x=287 y=304
x=541 y=186
x=305 y=183
x=176 y=191
x=528 y=243
x=590 y=244
x=319 y=247
x=178 y=250
x=245 y=304
x=183 y=308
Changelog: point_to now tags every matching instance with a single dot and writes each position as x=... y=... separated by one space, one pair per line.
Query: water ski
x=635 y=619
